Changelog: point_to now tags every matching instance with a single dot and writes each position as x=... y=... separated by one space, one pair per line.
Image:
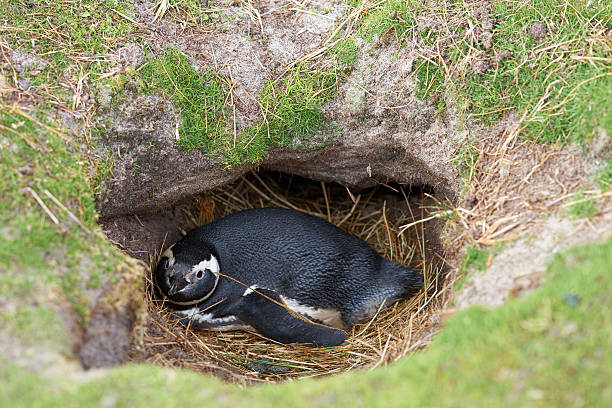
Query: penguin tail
x=395 y=282
x=409 y=280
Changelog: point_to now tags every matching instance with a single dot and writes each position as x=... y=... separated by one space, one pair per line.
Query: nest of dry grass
x=246 y=358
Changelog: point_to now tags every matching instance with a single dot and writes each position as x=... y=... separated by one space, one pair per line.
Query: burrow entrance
x=388 y=217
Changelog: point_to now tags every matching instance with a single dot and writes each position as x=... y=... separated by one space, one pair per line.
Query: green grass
x=50 y=263
x=291 y=108
x=104 y=169
x=582 y=206
x=560 y=85
x=603 y=176
x=465 y=159
x=292 y=114
x=61 y=255
x=32 y=323
x=430 y=83
x=345 y=52
x=562 y=97
x=68 y=41
x=476 y=258
x=393 y=17
x=550 y=348
x=86 y=26
x=192 y=11
x=70 y=37
x=202 y=98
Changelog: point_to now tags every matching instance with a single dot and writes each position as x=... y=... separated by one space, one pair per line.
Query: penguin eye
x=165 y=263
x=199 y=274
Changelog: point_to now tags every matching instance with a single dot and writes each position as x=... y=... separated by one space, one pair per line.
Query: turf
x=581 y=207
x=201 y=97
x=70 y=38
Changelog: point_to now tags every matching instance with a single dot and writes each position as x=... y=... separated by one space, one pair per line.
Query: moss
x=291 y=108
x=42 y=238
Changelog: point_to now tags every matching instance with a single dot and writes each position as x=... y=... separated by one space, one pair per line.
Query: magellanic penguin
x=290 y=276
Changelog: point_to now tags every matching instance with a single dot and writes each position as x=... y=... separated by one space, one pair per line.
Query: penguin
x=291 y=276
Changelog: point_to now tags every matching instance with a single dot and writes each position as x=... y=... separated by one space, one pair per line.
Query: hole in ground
x=375 y=215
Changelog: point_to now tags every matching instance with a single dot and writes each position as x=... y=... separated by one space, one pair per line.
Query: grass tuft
x=476 y=257
x=603 y=177
x=582 y=207
x=490 y=61
x=291 y=111
x=345 y=52
x=201 y=97
x=465 y=158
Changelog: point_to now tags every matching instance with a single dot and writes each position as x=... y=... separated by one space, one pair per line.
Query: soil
x=108 y=340
x=538 y=30
x=253 y=43
x=519 y=268
x=484 y=31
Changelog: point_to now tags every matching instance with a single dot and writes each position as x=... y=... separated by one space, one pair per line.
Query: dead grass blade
x=247 y=358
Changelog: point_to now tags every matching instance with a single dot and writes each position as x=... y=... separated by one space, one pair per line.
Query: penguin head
x=187 y=278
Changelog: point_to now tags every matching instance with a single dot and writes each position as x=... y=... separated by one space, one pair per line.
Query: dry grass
x=513 y=184
x=247 y=358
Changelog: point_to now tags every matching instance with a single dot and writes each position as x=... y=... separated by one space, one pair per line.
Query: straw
x=248 y=358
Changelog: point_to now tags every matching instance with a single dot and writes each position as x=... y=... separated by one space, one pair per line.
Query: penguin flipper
x=263 y=311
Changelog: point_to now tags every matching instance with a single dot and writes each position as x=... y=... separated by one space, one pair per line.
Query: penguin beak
x=177 y=283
